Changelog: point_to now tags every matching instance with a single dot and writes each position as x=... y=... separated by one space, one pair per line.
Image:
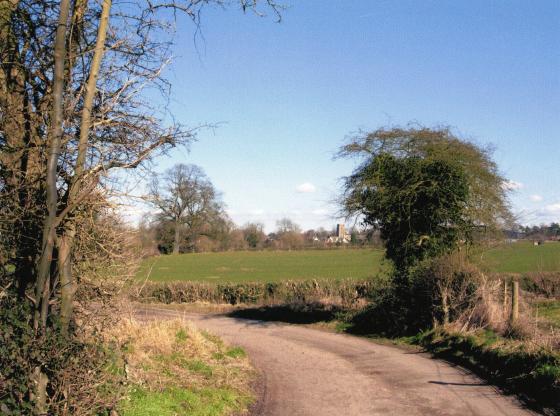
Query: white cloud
x=306 y=188
x=320 y=211
x=257 y=212
x=536 y=198
x=553 y=208
x=512 y=185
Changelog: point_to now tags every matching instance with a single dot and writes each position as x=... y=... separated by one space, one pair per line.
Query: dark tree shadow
x=297 y=313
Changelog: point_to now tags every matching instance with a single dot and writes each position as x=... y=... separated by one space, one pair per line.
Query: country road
x=307 y=372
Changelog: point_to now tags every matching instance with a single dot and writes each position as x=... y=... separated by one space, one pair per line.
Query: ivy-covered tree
x=419 y=207
x=487 y=205
x=417 y=204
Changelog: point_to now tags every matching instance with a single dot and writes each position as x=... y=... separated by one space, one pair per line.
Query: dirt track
x=311 y=372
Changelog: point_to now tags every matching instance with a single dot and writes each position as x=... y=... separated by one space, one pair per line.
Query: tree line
x=190 y=216
x=540 y=232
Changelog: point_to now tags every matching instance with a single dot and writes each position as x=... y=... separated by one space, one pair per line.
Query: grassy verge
x=173 y=368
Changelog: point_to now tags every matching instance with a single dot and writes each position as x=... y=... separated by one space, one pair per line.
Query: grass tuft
x=236 y=352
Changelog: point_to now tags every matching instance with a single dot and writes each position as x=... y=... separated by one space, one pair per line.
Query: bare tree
x=185 y=197
x=289 y=234
x=286 y=225
x=73 y=107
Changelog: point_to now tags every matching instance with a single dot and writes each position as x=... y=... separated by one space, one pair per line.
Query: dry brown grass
x=174 y=354
x=492 y=311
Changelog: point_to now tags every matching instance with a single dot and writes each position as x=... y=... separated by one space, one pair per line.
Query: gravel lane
x=307 y=372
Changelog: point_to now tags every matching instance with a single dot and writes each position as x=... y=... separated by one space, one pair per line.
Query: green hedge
x=345 y=292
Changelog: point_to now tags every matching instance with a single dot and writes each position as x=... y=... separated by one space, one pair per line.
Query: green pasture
x=240 y=266
x=522 y=257
x=549 y=311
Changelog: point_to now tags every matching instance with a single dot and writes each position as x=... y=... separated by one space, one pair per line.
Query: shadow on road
x=444 y=383
x=307 y=313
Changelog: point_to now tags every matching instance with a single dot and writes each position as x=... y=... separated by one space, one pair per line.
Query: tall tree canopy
x=487 y=204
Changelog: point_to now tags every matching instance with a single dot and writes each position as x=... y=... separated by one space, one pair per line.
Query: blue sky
x=287 y=94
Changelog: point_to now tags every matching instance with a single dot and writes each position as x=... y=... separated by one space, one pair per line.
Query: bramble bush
x=76 y=369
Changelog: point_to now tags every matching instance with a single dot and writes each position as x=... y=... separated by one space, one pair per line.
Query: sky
x=285 y=96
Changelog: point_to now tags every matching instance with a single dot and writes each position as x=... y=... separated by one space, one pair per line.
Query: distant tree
x=209 y=236
x=186 y=199
x=290 y=240
x=551 y=230
x=289 y=234
x=487 y=204
x=310 y=237
x=254 y=235
x=221 y=231
x=417 y=204
x=322 y=234
x=147 y=236
x=285 y=225
x=237 y=240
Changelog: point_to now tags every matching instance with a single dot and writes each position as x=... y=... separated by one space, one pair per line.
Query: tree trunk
x=177 y=240
x=67 y=283
x=66 y=241
x=39 y=391
x=90 y=87
x=42 y=288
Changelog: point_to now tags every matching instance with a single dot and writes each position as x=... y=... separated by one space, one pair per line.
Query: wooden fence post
x=514 y=300
x=505 y=300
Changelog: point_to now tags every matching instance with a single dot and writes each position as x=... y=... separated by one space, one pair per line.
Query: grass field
x=243 y=266
x=522 y=257
x=549 y=310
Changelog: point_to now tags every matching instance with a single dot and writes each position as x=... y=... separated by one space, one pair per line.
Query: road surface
x=307 y=372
